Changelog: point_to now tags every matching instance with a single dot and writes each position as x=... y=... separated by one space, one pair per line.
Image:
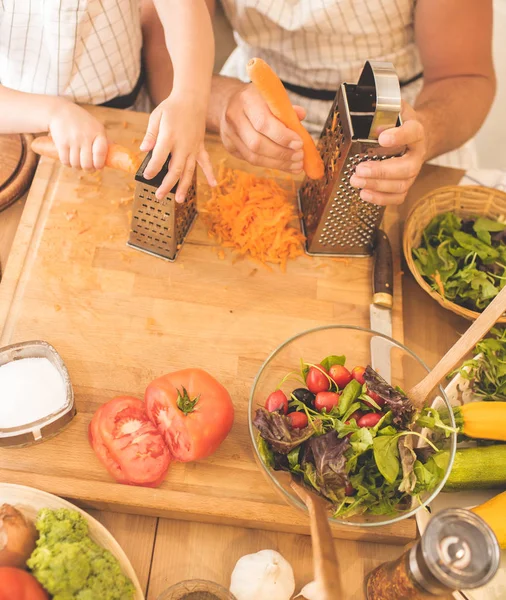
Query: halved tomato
x=192 y=410
x=128 y=444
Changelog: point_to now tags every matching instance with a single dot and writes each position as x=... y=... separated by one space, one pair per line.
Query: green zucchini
x=476 y=468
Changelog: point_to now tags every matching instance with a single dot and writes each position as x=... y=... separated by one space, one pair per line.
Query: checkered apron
x=319 y=44
x=86 y=50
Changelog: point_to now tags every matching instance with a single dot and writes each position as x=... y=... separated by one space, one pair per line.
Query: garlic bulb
x=261 y=576
x=311 y=591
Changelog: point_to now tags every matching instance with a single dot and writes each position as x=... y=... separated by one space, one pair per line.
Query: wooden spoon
x=418 y=394
x=325 y=566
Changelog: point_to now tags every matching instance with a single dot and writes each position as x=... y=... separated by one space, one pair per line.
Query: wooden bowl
x=29 y=501
x=464 y=201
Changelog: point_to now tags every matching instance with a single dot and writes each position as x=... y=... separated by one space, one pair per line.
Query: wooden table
x=164 y=552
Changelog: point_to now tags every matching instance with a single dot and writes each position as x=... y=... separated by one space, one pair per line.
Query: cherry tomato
x=128 y=444
x=298 y=420
x=317 y=381
x=326 y=400
x=340 y=375
x=349 y=490
x=192 y=411
x=379 y=401
x=277 y=401
x=358 y=374
x=17 y=584
x=369 y=420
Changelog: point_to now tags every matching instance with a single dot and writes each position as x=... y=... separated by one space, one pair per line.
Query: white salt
x=30 y=389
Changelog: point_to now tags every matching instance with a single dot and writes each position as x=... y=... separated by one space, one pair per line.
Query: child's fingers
x=75 y=156
x=100 y=148
x=86 y=156
x=63 y=154
x=186 y=179
x=176 y=168
x=149 y=141
x=206 y=166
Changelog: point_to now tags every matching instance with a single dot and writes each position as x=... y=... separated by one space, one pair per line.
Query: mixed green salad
x=351 y=437
x=463 y=259
x=487 y=371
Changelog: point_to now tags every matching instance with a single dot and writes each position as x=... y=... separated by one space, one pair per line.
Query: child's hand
x=79 y=138
x=177 y=127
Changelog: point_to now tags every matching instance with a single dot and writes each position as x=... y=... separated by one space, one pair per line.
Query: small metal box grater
x=159 y=227
x=335 y=220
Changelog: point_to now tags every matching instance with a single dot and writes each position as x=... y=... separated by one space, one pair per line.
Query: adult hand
x=79 y=138
x=251 y=132
x=388 y=181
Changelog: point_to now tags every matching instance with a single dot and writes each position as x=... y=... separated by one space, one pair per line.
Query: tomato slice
x=192 y=410
x=128 y=444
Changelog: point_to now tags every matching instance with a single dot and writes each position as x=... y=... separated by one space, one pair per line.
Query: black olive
x=304 y=396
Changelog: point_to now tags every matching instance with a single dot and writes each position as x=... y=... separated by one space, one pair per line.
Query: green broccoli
x=70 y=565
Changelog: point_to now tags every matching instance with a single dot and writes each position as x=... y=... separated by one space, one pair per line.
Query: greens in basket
x=487 y=372
x=463 y=260
x=350 y=437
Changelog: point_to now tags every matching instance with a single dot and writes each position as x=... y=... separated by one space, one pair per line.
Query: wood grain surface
x=120 y=318
x=165 y=551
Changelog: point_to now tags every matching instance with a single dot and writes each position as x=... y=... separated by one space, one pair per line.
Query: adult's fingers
x=254 y=158
x=391 y=186
x=397 y=167
x=409 y=134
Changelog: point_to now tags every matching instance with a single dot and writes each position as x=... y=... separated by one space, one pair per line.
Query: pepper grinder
x=457 y=551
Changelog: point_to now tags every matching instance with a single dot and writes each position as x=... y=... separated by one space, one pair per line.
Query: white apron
x=86 y=50
x=321 y=43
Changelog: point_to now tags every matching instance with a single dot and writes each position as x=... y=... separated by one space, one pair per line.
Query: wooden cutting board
x=120 y=318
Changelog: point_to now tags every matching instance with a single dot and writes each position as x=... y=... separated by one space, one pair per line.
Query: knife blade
x=382 y=304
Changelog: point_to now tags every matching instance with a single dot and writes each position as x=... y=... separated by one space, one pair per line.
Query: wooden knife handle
x=118 y=157
x=383 y=274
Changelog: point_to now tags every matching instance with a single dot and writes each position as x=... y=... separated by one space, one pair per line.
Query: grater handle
x=382 y=78
x=156 y=182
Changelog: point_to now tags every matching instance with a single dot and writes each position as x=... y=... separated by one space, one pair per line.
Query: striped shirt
x=321 y=43
x=86 y=50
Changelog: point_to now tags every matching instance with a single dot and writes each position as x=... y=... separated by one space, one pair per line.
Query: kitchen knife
x=382 y=303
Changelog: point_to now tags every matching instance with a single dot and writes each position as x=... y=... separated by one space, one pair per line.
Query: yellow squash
x=493 y=513
x=483 y=420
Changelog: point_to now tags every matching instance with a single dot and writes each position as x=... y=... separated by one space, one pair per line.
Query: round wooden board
x=29 y=501
x=17 y=167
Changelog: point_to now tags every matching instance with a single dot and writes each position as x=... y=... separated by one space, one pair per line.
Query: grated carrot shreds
x=254 y=216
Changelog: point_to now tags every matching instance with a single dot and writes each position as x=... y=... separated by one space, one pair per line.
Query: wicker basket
x=468 y=200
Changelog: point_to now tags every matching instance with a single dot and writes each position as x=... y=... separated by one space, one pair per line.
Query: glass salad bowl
x=351 y=454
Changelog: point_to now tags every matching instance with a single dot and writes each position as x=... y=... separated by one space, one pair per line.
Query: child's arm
x=79 y=137
x=177 y=125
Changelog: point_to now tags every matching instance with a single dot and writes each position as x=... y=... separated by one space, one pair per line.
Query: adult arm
x=454 y=38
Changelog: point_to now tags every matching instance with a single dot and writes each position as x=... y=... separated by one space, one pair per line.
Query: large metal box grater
x=159 y=227
x=335 y=220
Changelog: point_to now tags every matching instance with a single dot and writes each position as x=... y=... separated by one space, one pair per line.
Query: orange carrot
x=274 y=93
x=118 y=157
x=254 y=216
